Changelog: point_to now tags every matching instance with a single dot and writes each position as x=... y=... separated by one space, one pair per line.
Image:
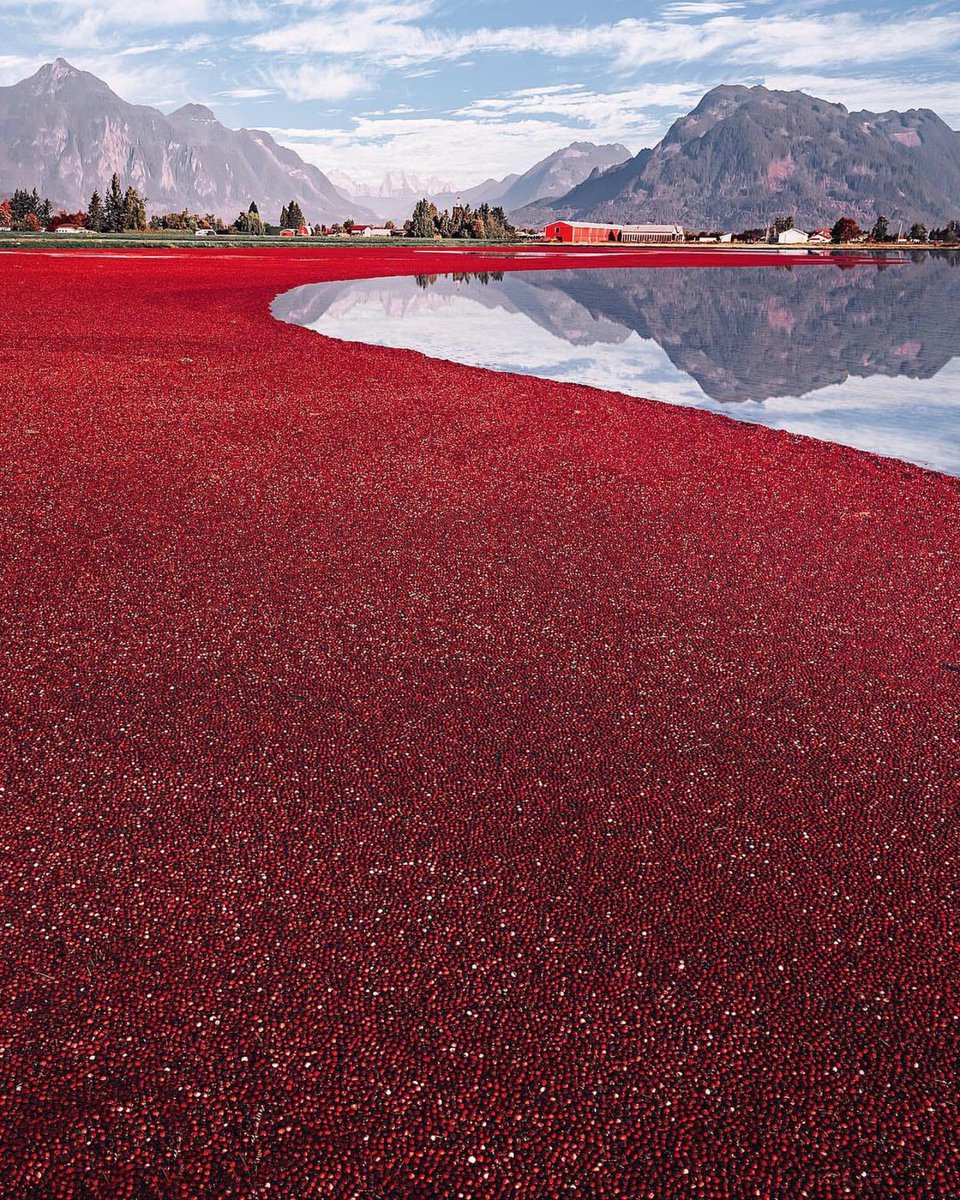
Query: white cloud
x=246 y=93
x=467 y=148
x=315 y=82
x=703 y=8
x=395 y=35
x=14 y=67
x=877 y=93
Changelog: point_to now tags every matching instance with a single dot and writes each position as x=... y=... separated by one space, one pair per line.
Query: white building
x=375 y=231
x=792 y=237
x=651 y=233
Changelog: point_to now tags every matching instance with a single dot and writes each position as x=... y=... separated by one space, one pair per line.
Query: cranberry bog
x=423 y=782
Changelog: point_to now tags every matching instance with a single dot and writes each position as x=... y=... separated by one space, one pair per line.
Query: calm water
x=868 y=355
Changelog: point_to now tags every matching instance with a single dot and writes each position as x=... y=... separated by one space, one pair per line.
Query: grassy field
x=179 y=240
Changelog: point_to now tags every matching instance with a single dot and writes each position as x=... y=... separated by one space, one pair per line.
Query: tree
x=249 y=222
x=134 y=210
x=295 y=217
x=22 y=203
x=881 y=230
x=781 y=225
x=918 y=232
x=6 y=214
x=846 y=230
x=422 y=222
x=114 y=206
x=284 y=218
x=348 y=225
x=30 y=223
x=79 y=219
x=96 y=214
x=949 y=235
x=253 y=210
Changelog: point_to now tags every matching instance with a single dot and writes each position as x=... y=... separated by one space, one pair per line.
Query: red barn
x=583 y=232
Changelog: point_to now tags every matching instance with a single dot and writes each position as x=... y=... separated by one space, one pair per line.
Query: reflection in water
x=868 y=355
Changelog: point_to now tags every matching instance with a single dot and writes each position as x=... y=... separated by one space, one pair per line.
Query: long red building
x=594 y=232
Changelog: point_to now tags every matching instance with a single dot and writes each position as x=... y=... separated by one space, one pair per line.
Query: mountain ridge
x=746 y=154
x=65 y=132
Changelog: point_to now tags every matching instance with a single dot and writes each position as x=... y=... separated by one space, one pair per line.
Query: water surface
x=866 y=354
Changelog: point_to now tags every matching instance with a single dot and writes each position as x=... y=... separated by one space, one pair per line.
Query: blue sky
x=465 y=90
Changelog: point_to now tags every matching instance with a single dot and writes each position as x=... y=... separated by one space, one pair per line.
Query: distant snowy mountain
x=392 y=185
x=394 y=196
x=65 y=132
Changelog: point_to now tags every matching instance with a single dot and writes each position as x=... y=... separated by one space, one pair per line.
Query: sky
x=464 y=91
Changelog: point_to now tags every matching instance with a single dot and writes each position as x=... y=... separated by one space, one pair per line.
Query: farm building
x=580 y=232
x=377 y=231
x=792 y=237
x=592 y=232
x=651 y=233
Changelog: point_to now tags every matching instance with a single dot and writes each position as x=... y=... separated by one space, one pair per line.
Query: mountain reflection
x=770 y=344
x=758 y=332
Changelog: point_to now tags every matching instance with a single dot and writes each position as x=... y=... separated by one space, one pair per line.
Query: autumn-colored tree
x=31 y=223
x=422 y=223
x=78 y=219
x=846 y=230
x=6 y=214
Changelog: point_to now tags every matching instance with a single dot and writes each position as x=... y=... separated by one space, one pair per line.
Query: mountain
x=747 y=154
x=392 y=185
x=556 y=174
x=65 y=132
x=552 y=176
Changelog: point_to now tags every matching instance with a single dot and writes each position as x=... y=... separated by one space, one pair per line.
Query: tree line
x=461 y=222
x=846 y=229
x=116 y=212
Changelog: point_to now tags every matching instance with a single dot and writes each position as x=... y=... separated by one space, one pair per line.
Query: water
x=867 y=355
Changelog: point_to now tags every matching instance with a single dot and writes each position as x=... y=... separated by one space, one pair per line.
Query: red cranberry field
x=421 y=782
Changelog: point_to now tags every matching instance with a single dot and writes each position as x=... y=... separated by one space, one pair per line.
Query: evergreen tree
x=881 y=230
x=781 y=225
x=21 y=204
x=253 y=210
x=295 y=215
x=45 y=212
x=114 y=206
x=918 y=232
x=284 y=218
x=96 y=214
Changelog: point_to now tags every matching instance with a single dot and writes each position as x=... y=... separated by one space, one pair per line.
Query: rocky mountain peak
x=195 y=112
x=51 y=75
